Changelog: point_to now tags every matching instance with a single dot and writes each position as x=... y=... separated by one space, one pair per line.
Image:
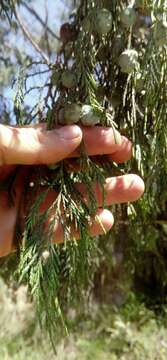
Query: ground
x=104 y=333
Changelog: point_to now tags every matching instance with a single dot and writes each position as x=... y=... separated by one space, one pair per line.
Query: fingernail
x=69 y=132
x=118 y=138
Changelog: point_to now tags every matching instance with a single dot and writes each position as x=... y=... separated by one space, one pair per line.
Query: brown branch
x=42 y=22
x=29 y=37
x=39 y=87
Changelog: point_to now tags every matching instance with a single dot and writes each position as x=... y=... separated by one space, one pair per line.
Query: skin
x=36 y=145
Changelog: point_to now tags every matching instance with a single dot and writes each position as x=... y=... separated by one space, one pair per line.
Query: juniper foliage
x=112 y=59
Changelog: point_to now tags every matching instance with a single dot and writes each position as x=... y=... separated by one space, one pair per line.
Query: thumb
x=35 y=145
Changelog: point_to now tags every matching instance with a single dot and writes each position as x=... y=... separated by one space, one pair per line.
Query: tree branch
x=33 y=12
x=29 y=37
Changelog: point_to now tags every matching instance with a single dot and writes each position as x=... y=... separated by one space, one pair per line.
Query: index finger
x=36 y=145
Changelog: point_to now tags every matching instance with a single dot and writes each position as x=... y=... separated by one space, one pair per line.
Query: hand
x=36 y=145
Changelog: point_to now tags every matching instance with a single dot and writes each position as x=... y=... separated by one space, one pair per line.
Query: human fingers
x=100 y=224
x=119 y=189
x=127 y=188
x=123 y=153
x=100 y=140
x=36 y=145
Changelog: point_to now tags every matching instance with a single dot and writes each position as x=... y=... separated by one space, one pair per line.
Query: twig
x=35 y=88
x=35 y=63
x=38 y=73
x=29 y=37
x=33 y=12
